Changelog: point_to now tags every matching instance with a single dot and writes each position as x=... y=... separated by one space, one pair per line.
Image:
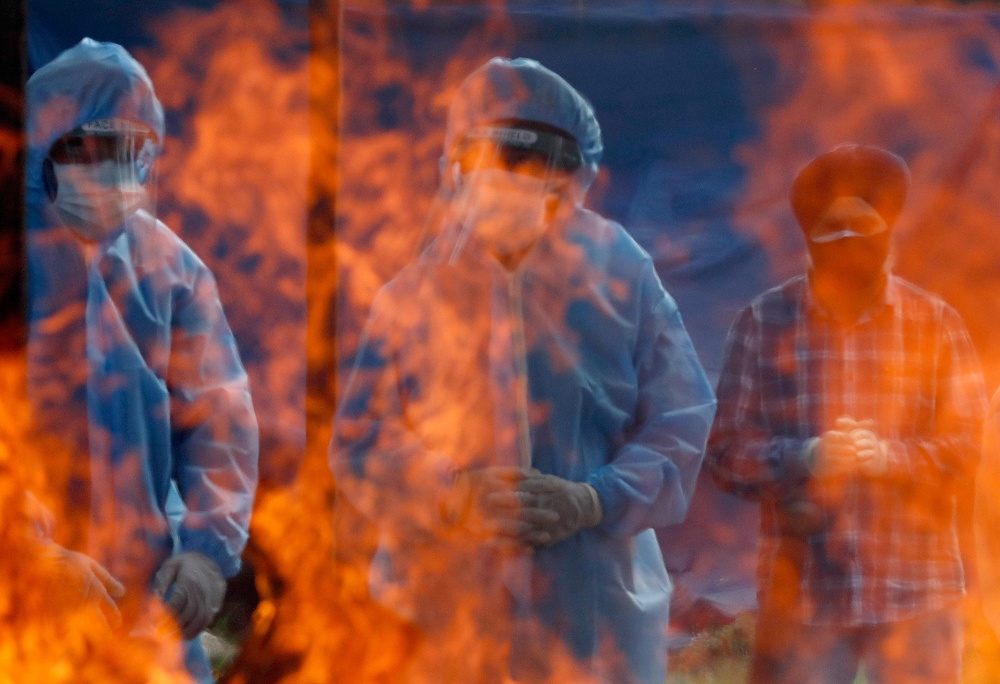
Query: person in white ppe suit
x=131 y=359
x=525 y=407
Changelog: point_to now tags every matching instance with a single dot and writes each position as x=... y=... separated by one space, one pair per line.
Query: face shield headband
x=517 y=146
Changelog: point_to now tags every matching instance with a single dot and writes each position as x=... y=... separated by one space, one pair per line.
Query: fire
x=240 y=167
x=867 y=76
x=294 y=165
x=50 y=633
x=234 y=185
x=895 y=78
x=376 y=185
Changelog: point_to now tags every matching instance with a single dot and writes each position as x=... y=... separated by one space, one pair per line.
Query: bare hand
x=872 y=451
x=89 y=579
x=834 y=455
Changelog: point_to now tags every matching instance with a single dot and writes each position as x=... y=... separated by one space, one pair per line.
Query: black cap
x=877 y=176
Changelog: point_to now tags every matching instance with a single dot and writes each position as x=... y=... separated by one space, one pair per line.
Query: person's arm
x=214 y=429
x=379 y=462
x=743 y=456
x=650 y=480
x=950 y=451
x=987 y=517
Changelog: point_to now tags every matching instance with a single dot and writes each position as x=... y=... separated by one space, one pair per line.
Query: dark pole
x=262 y=658
x=13 y=45
x=321 y=288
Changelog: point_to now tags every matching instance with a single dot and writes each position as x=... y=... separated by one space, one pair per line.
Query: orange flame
x=244 y=164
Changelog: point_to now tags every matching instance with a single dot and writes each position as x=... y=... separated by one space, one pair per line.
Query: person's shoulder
x=608 y=245
x=779 y=305
x=406 y=281
x=916 y=303
x=610 y=234
x=907 y=292
x=405 y=291
x=158 y=249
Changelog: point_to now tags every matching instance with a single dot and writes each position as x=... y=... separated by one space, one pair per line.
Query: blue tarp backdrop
x=708 y=110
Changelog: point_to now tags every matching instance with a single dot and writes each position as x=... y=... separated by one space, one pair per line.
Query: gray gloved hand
x=87 y=578
x=486 y=503
x=576 y=504
x=193 y=588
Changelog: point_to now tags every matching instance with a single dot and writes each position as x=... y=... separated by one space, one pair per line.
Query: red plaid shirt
x=868 y=549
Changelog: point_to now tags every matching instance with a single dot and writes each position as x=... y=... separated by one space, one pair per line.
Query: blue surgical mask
x=505 y=211
x=94 y=200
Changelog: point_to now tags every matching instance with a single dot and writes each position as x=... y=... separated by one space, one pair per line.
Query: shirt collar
x=889 y=301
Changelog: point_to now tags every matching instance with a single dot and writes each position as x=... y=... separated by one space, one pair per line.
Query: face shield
x=99 y=175
x=510 y=180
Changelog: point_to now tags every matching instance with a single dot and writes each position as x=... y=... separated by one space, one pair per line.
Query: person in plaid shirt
x=850 y=405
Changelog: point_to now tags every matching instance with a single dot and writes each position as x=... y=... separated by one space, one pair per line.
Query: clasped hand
x=516 y=507
x=852 y=446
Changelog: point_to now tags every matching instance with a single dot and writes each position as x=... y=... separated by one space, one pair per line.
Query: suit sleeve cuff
x=596 y=507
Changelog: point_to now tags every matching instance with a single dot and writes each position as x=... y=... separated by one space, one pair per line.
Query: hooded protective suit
x=575 y=363
x=131 y=359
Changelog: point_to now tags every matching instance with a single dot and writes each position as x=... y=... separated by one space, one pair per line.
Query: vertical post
x=321 y=288
x=13 y=58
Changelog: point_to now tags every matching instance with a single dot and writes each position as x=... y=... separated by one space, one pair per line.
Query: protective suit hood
x=132 y=364
x=524 y=89
x=90 y=81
